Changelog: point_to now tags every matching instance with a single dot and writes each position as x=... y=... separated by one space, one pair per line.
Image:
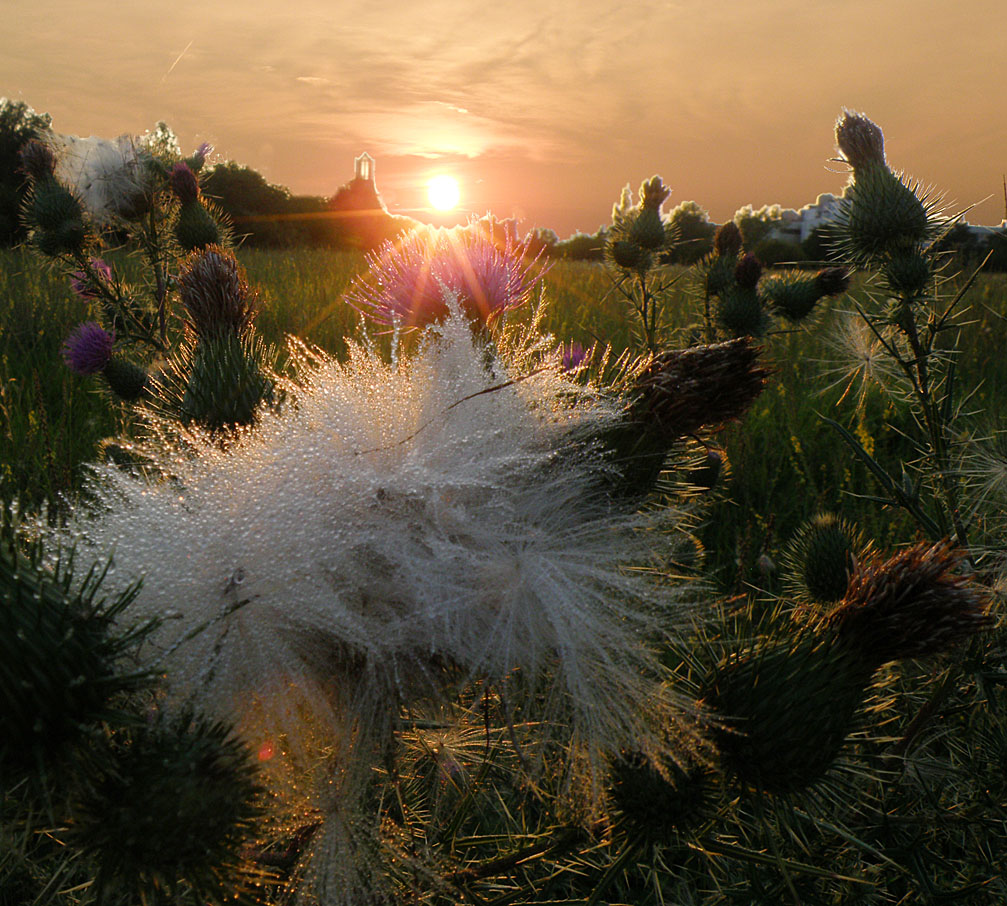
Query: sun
x=443 y=192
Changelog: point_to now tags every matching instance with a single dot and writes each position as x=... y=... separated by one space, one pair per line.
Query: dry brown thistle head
x=683 y=390
x=914 y=604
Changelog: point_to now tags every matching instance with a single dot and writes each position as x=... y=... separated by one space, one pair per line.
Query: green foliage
x=773 y=252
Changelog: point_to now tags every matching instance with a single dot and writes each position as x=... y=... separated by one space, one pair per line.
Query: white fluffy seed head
x=396 y=530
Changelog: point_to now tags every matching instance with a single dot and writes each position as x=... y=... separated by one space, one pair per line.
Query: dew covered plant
x=428 y=622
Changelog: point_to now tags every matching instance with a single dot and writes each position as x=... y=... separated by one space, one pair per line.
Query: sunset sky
x=542 y=109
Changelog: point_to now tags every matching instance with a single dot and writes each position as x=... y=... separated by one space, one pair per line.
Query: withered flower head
x=833 y=281
x=683 y=390
x=915 y=604
x=654 y=193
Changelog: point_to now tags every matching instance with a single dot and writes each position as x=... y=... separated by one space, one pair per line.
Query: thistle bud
x=184 y=183
x=37 y=160
x=879 y=213
x=215 y=294
x=168 y=803
x=748 y=271
x=821 y=557
x=861 y=141
x=648 y=229
x=720 y=274
x=727 y=240
x=195 y=228
x=787 y=709
x=740 y=311
x=628 y=255
x=914 y=604
x=226 y=382
x=908 y=272
x=794 y=294
x=126 y=379
x=58 y=217
x=658 y=801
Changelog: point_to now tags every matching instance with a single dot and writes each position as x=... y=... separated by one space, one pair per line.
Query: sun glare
x=443 y=192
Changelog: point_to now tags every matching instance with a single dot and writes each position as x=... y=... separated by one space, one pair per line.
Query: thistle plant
x=821 y=558
x=447 y=518
x=638 y=236
x=212 y=373
x=889 y=224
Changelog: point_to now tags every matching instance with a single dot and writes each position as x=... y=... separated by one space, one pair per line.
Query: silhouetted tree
x=583 y=246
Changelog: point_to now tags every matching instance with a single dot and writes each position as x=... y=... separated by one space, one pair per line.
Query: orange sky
x=542 y=108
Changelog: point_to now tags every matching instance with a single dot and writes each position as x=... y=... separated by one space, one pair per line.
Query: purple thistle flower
x=409 y=282
x=84 y=285
x=88 y=349
x=573 y=355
